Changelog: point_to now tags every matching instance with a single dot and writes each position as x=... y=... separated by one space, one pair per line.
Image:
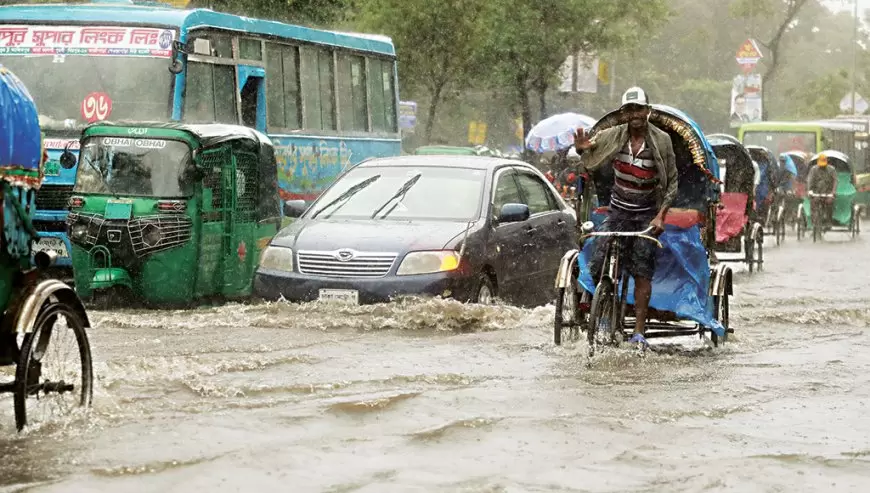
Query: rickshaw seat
x=731 y=217
x=680 y=218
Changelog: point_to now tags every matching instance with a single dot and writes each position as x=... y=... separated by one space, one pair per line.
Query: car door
x=546 y=232
x=508 y=245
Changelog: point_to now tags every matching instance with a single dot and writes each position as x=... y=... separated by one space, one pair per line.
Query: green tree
x=438 y=44
x=538 y=36
x=307 y=12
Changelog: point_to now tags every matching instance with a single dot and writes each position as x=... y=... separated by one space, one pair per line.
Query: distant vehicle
x=327 y=100
x=467 y=227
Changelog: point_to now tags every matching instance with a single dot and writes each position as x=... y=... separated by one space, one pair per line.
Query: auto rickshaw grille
x=93 y=224
x=171 y=231
x=246 y=186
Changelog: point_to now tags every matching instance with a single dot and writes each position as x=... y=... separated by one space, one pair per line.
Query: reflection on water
x=432 y=395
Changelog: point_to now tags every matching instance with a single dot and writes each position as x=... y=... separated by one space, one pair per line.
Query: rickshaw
x=168 y=214
x=846 y=213
x=689 y=294
x=783 y=197
x=765 y=191
x=40 y=317
x=738 y=230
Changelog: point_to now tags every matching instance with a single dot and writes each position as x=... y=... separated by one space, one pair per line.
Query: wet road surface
x=434 y=396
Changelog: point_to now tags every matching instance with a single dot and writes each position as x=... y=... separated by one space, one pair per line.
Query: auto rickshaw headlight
x=78 y=231
x=416 y=263
x=277 y=258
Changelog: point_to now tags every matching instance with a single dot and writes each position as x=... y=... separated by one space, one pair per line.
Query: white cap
x=635 y=95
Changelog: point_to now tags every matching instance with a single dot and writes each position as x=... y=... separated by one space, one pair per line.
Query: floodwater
x=437 y=397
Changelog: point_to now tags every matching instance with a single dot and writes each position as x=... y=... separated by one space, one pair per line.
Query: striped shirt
x=635 y=180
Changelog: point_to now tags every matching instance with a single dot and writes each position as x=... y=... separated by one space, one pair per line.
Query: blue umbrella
x=789 y=163
x=20 y=136
x=556 y=133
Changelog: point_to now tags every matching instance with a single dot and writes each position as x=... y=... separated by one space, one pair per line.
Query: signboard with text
x=85 y=40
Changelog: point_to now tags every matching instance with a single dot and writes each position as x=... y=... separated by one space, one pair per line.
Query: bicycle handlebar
x=637 y=234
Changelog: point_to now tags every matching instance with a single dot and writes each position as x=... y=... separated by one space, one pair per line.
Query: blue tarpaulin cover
x=681 y=281
x=20 y=136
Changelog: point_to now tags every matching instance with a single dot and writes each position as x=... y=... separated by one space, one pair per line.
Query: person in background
x=822 y=180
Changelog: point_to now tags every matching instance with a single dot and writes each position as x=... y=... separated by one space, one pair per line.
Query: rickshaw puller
x=645 y=185
x=822 y=179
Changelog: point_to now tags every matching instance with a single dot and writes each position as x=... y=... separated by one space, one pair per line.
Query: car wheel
x=484 y=291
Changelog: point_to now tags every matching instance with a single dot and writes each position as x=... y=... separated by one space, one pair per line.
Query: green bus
x=846 y=134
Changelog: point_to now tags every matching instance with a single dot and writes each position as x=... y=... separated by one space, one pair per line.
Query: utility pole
x=854 y=55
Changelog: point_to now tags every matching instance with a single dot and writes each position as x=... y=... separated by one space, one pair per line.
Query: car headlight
x=416 y=263
x=277 y=258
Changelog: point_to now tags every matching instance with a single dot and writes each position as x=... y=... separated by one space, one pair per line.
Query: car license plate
x=49 y=244
x=343 y=296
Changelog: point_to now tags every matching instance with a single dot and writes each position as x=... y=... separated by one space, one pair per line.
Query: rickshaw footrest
x=7 y=388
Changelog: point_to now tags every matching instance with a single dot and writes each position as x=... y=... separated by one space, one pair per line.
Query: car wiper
x=350 y=192
x=399 y=193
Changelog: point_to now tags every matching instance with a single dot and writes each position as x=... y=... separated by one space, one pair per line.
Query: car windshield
x=138 y=167
x=81 y=74
x=448 y=194
x=779 y=142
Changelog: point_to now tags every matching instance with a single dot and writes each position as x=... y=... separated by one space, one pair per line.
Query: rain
x=396 y=342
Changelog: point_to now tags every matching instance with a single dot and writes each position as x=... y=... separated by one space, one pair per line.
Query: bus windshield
x=137 y=167
x=68 y=90
x=779 y=142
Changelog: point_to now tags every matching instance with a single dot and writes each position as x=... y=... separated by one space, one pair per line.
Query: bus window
x=282 y=86
x=352 y=93
x=779 y=142
x=210 y=94
x=381 y=91
x=250 y=49
x=317 y=89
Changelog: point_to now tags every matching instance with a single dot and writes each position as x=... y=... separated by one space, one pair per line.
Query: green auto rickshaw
x=170 y=213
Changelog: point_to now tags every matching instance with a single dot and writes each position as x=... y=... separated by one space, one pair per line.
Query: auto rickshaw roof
x=206 y=134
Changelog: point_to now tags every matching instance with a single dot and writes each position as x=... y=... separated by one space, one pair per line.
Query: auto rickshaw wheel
x=45 y=387
x=567 y=303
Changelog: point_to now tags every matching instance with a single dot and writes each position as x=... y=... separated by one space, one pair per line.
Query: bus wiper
x=399 y=193
x=350 y=192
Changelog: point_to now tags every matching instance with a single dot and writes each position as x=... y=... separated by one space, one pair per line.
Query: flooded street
x=433 y=396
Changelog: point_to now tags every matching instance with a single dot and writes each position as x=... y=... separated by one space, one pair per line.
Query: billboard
x=746 y=105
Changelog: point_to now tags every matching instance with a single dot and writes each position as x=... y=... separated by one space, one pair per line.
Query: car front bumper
x=270 y=284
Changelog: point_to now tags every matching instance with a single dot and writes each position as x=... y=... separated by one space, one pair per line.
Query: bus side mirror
x=67 y=160
x=176 y=66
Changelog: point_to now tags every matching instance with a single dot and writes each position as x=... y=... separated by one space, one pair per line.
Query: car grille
x=53 y=197
x=362 y=265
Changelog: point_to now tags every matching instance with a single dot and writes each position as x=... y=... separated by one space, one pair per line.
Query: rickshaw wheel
x=720 y=308
x=566 y=301
x=68 y=388
x=759 y=255
x=750 y=255
x=602 y=309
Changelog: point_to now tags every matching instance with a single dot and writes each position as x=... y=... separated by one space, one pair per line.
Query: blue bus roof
x=129 y=13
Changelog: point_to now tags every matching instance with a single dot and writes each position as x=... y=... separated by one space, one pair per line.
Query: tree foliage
x=438 y=43
x=309 y=12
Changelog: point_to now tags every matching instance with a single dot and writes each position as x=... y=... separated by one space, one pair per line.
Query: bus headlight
x=277 y=258
x=416 y=263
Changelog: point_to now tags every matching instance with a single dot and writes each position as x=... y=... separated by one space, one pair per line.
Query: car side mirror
x=514 y=213
x=67 y=160
x=295 y=208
